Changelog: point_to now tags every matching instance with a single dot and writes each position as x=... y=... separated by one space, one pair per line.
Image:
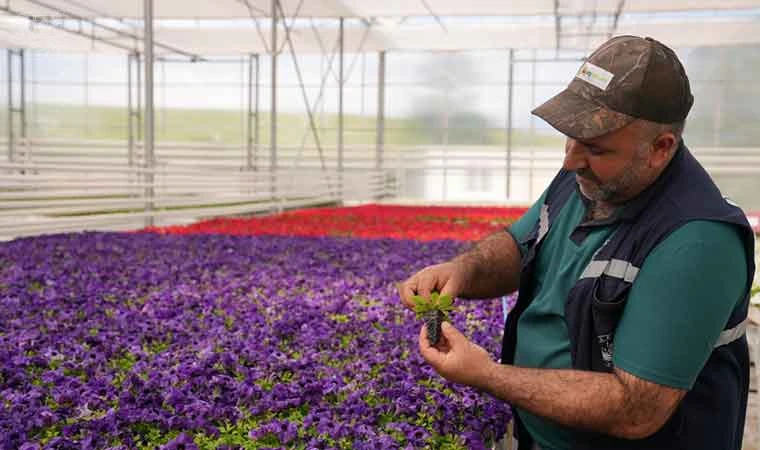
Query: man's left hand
x=456 y=358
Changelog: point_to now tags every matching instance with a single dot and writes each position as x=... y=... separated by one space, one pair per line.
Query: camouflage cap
x=626 y=78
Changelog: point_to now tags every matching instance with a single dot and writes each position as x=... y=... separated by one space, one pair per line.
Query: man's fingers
x=431 y=354
x=451 y=334
x=406 y=291
x=423 y=337
x=449 y=289
x=431 y=279
x=424 y=285
x=425 y=347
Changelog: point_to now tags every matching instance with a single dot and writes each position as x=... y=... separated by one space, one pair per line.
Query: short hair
x=677 y=128
x=651 y=129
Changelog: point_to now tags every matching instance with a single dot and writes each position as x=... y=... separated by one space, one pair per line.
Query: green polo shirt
x=677 y=307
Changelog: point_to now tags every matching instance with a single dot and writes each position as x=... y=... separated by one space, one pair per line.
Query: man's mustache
x=587 y=174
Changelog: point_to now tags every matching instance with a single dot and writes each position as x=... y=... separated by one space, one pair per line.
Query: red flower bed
x=368 y=221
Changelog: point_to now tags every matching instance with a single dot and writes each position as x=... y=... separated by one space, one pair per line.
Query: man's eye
x=595 y=150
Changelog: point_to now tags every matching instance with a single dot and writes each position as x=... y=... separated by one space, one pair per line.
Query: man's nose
x=575 y=155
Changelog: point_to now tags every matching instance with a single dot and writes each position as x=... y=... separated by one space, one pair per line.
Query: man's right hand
x=447 y=278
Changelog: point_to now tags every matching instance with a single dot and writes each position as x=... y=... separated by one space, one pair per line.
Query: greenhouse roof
x=198 y=28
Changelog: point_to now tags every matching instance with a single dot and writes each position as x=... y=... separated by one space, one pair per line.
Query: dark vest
x=711 y=415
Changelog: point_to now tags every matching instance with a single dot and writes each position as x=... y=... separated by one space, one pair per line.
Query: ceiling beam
x=62 y=27
x=116 y=31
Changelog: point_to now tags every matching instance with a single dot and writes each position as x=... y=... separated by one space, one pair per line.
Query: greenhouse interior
x=210 y=211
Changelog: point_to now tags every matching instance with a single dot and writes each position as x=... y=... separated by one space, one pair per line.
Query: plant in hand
x=433 y=311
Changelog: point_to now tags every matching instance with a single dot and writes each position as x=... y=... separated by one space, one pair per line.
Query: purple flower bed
x=218 y=342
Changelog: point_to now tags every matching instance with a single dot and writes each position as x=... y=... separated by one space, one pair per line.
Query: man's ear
x=663 y=148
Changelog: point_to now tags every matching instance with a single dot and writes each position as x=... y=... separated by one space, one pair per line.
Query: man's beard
x=612 y=191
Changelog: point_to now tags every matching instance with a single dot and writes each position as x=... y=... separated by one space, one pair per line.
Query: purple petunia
x=112 y=340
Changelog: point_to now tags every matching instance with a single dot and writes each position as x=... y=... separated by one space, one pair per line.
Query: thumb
x=451 y=333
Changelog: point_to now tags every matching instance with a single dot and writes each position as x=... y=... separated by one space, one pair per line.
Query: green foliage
x=157 y=346
x=425 y=420
x=44 y=435
x=340 y=318
x=436 y=302
x=447 y=442
x=345 y=341
x=270 y=381
x=229 y=323
x=151 y=436
x=125 y=362
x=36 y=287
x=229 y=434
x=122 y=366
x=755 y=290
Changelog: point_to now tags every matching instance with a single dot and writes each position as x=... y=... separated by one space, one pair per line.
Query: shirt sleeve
x=681 y=300
x=522 y=226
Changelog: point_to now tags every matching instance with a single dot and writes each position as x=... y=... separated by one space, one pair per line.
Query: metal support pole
x=309 y=109
x=380 y=138
x=138 y=60
x=149 y=118
x=162 y=109
x=13 y=110
x=130 y=115
x=256 y=117
x=532 y=91
x=86 y=70
x=273 y=117
x=22 y=104
x=11 y=149
x=509 y=120
x=380 y=110
x=532 y=123
x=249 y=116
x=557 y=28
x=341 y=188
x=364 y=68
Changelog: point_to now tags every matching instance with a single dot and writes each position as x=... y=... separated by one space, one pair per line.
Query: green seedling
x=433 y=311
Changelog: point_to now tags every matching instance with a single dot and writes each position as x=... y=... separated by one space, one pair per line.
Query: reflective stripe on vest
x=730 y=335
x=616 y=268
x=543 y=222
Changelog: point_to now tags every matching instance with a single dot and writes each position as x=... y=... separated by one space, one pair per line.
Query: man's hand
x=490 y=269
x=456 y=358
x=618 y=404
x=448 y=278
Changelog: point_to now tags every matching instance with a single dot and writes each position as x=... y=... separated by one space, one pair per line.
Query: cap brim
x=577 y=117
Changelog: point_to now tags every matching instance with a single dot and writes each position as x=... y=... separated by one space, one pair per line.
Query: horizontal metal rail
x=71 y=185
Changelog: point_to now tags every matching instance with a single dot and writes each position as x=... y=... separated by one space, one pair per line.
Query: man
x=633 y=275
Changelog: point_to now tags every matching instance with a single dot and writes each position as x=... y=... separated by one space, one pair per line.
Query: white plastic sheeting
x=581 y=24
x=713 y=33
x=201 y=41
x=241 y=41
x=402 y=8
x=181 y=9
x=235 y=9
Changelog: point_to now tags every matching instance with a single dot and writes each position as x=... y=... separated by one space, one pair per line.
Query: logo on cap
x=594 y=75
